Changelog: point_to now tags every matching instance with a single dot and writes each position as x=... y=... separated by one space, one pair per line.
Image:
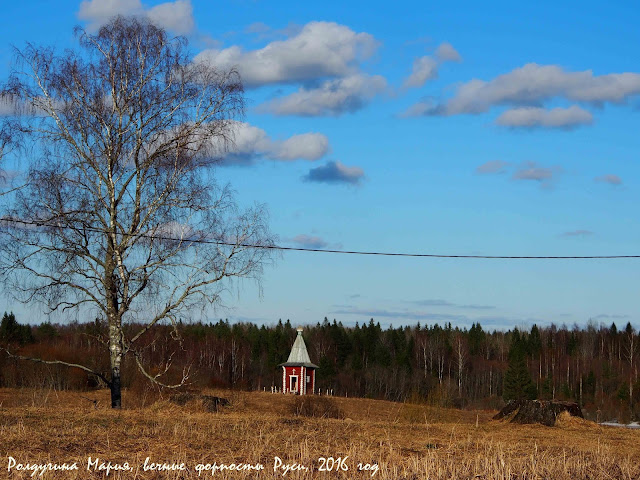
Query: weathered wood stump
x=544 y=412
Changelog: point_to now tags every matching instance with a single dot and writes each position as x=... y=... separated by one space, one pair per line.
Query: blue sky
x=501 y=129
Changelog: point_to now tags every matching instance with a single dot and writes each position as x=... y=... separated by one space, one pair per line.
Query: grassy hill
x=396 y=441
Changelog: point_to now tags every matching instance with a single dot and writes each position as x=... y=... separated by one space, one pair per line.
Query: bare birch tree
x=5 y=144
x=121 y=213
x=461 y=359
x=631 y=346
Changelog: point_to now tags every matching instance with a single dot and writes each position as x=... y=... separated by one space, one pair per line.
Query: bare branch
x=58 y=362
x=155 y=378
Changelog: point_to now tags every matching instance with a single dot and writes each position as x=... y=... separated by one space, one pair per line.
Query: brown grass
x=317 y=407
x=406 y=441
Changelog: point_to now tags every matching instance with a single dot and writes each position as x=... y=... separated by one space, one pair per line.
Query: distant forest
x=596 y=365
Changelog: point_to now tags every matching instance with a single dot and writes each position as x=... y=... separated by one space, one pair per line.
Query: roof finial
x=299 y=330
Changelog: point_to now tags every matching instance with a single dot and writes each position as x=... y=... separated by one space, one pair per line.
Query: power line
x=344 y=252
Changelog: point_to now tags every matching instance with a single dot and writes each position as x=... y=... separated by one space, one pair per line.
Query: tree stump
x=537 y=411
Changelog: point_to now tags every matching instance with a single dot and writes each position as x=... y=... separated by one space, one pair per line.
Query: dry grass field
x=394 y=441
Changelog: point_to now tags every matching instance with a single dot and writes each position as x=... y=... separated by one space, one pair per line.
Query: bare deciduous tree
x=631 y=345
x=5 y=143
x=121 y=213
x=461 y=359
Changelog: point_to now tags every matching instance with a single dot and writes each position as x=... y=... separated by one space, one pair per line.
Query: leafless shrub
x=317 y=407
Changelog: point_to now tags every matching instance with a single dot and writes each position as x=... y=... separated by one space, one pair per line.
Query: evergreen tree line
x=596 y=365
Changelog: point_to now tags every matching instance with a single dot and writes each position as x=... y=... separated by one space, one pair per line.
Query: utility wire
x=323 y=250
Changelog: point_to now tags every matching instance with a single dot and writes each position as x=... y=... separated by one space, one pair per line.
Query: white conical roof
x=299 y=354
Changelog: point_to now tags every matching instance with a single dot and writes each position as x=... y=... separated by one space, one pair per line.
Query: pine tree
x=517 y=379
x=535 y=342
x=12 y=331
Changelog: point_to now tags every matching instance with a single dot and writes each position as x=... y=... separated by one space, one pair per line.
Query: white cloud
x=308 y=146
x=426 y=68
x=175 y=230
x=533 y=171
x=319 y=50
x=175 y=16
x=333 y=97
x=335 y=172
x=98 y=12
x=7 y=107
x=423 y=107
x=610 y=179
x=309 y=241
x=531 y=85
x=532 y=117
x=446 y=53
x=492 y=166
x=251 y=142
x=323 y=58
